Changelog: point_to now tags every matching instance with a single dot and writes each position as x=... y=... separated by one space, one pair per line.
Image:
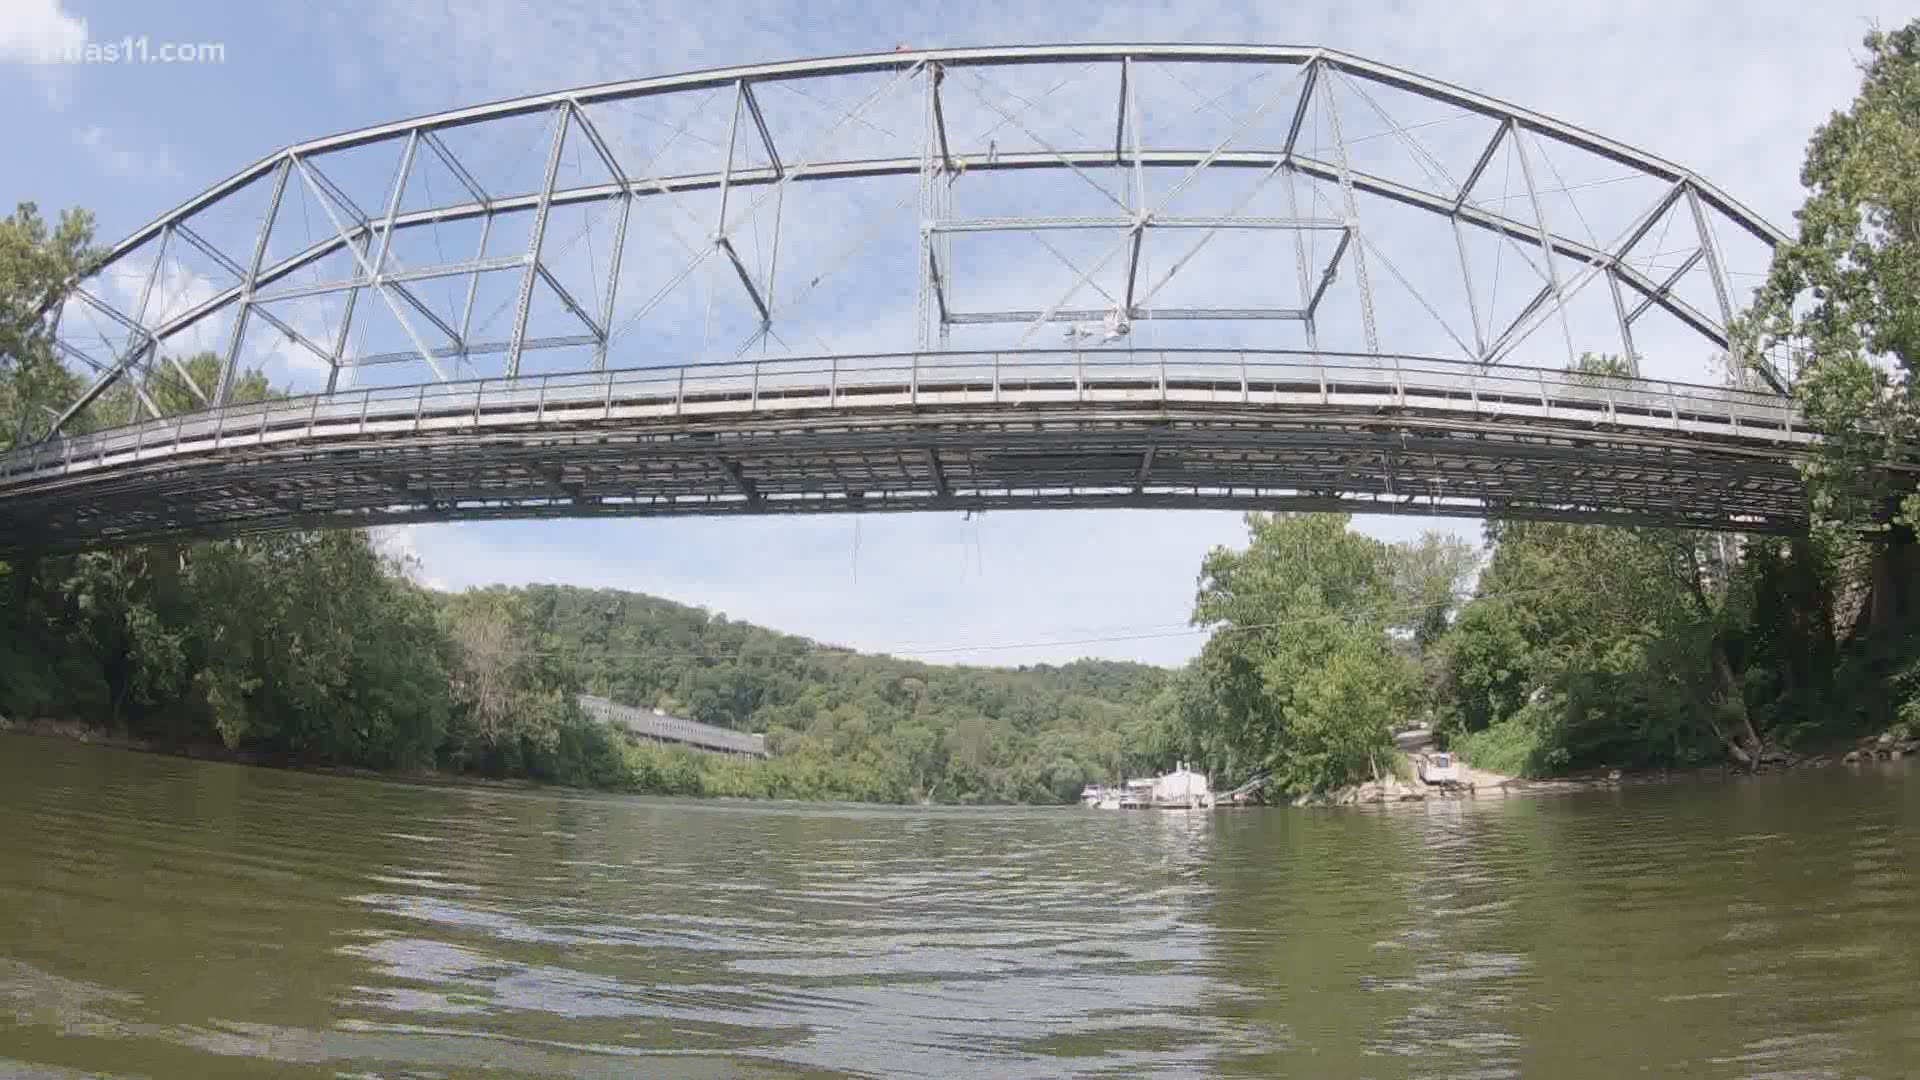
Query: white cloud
x=39 y=32
x=120 y=160
x=39 y=35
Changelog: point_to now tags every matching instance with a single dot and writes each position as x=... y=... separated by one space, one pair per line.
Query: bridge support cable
x=1546 y=238
x=1137 y=199
x=140 y=340
x=1609 y=259
x=1144 y=216
x=357 y=246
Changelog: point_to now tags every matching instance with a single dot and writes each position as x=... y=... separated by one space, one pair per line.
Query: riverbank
x=90 y=735
x=1403 y=785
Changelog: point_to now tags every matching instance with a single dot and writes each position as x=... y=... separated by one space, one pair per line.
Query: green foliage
x=37 y=266
x=1843 y=299
x=1301 y=675
x=1523 y=744
x=841 y=725
x=311 y=648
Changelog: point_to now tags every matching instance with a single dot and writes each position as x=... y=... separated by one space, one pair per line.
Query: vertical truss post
x=1300 y=261
x=517 y=343
x=613 y=278
x=1714 y=270
x=1466 y=279
x=1130 y=108
x=144 y=341
x=1626 y=323
x=928 y=212
x=733 y=143
x=1545 y=230
x=346 y=323
x=1353 y=222
x=393 y=201
x=943 y=246
x=473 y=282
x=1309 y=79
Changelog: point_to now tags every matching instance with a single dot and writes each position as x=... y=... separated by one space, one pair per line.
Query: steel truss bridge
x=1056 y=276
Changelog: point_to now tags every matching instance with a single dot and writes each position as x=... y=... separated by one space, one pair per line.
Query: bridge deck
x=663 y=728
x=936 y=431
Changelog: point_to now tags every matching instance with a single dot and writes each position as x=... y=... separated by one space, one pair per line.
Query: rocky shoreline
x=1886 y=746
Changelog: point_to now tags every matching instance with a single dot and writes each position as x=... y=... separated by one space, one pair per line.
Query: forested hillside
x=311 y=648
x=840 y=724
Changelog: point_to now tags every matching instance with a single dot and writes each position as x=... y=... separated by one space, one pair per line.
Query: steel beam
x=1070 y=315
x=1356 y=251
x=980 y=57
x=524 y=306
x=1546 y=241
x=938 y=473
x=367 y=268
x=1375 y=185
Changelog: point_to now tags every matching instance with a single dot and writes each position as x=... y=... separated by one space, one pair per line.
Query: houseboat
x=1181 y=789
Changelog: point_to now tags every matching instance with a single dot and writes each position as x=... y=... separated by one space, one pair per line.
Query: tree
x=1428 y=578
x=37 y=267
x=1842 y=300
x=1299 y=672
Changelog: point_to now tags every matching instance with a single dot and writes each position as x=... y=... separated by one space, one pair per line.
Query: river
x=161 y=917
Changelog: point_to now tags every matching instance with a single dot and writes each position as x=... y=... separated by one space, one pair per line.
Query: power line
x=815 y=649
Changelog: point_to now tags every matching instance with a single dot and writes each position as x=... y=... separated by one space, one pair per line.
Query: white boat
x=1438 y=769
x=1181 y=789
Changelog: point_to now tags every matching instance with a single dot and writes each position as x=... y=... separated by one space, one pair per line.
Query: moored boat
x=1181 y=789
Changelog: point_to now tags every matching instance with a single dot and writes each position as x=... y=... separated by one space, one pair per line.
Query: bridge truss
x=1275 y=226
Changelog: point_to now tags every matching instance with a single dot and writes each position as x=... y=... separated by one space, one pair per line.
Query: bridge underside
x=1147 y=440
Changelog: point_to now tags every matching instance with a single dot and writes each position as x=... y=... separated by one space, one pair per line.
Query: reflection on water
x=170 y=918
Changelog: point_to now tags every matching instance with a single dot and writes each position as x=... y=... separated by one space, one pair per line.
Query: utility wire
x=846 y=651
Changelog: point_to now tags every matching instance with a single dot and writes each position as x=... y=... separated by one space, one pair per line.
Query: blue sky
x=1734 y=97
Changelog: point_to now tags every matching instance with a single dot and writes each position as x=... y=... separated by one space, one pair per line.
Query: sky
x=1733 y=97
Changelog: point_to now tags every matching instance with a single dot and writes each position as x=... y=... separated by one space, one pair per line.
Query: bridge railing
x=1257 y=379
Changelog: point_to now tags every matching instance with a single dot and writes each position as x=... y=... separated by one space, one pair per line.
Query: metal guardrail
x=924 y=380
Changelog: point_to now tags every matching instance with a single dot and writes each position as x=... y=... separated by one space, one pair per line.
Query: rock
x=1885 y=741
x=1896 y=753
x=1613 y=775
x=1911 y=746
x=1852 y=758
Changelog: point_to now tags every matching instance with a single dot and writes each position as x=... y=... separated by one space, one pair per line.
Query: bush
x=1520 y=745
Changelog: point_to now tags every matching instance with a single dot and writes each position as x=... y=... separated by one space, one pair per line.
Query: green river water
x=169 y=918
